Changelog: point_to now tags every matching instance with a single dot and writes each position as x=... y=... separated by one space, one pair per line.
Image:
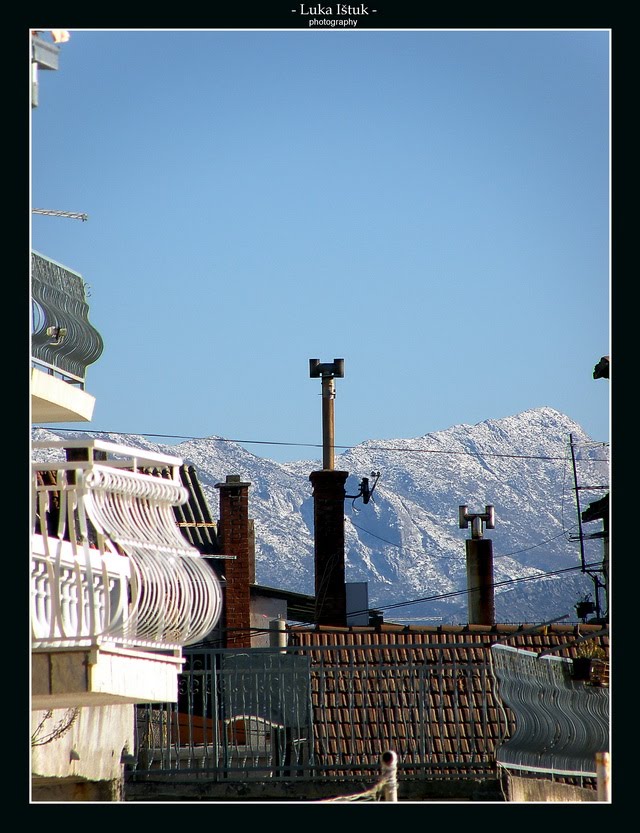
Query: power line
x=453 y=593
x=342 y=447
x=258 y=631
x=423 y=552
x=435 y=598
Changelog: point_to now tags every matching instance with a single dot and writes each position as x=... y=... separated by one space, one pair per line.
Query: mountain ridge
x=406 y=541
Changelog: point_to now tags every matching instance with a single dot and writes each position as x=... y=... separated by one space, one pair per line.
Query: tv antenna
x=366 y=491
x=74 y=215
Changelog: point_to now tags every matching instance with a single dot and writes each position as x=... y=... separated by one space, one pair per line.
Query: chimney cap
x=326 y=369
x=233 y=480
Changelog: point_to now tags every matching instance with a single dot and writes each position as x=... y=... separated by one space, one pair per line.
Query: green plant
x=591 y=650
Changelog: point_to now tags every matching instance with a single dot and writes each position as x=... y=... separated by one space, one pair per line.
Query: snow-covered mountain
x=406 y=541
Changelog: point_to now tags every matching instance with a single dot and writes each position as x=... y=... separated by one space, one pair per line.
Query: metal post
x=388 y=768
x=596 y=583
x=603 y=775
x=577 y=491
x=328 y=423
x=328 y=372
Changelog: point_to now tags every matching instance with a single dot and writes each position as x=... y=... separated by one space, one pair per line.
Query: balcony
x=44 y=55
x=63 y=343
x=116 y=590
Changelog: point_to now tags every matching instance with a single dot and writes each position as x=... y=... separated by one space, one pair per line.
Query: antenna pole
x=594 y=576
x=577 y=491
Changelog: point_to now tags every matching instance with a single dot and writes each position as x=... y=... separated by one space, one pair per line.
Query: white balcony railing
x=109 y=564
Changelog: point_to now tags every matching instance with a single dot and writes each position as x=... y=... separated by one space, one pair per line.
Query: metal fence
x=309 y=712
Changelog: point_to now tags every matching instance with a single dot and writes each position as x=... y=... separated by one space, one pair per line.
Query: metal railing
x=109 y=563
x=561 y=725
x=304 y=712
x=63 y=342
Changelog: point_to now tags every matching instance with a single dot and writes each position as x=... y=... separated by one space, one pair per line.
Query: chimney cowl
x=233 y=481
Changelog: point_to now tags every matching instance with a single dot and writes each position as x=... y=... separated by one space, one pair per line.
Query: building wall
x=79 y=753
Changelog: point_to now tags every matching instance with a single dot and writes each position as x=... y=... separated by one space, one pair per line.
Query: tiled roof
x=425 y=693
x=565 y=638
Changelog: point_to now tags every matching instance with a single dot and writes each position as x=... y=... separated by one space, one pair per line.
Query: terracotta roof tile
x=377 y=705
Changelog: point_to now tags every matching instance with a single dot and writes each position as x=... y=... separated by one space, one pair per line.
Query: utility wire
x=435 y=598
x=422 y=552
x=495 y=584
x=342 y=447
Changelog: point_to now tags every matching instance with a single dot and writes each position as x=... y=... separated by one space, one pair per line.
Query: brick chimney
x=235 y=539
x=328 y=519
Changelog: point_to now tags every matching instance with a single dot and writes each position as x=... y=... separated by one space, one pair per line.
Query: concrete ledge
x=53 y=400
x=538 y=790
x=68 y=678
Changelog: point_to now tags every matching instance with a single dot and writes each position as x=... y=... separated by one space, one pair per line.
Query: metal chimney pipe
x=328 y=422
x=328 y=372
x=479 y=553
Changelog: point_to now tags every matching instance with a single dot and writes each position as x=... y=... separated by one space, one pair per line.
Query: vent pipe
x=479 y=565
x=328 y=372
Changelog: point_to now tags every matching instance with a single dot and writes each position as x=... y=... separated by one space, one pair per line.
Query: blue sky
x=431 y=206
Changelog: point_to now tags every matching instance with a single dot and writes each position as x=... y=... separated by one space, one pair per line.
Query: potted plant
x=590 y=665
